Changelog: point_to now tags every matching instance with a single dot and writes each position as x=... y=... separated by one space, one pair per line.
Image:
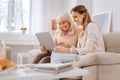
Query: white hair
x=67 y=17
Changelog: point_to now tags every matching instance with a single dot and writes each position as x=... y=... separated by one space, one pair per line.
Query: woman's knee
x=55 y=58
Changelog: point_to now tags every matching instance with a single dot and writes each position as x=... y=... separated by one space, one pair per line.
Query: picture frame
x=103 y=20
x=54 y=24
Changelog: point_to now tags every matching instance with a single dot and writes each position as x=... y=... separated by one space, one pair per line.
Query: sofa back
x=112 y=42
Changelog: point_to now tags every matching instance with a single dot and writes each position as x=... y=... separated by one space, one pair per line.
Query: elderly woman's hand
x=42 y=48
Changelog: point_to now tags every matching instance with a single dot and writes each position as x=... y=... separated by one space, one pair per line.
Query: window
x=14 y=14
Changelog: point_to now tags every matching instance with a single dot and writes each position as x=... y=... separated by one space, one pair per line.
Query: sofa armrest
x=85 y=60
x=97 y=58
x=34 y=52
x=108 y=58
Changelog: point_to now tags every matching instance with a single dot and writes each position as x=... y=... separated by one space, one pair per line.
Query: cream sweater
x=92 y=40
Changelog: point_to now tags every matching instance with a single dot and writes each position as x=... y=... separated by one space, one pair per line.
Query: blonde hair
x=67 y=17
x=86 y=20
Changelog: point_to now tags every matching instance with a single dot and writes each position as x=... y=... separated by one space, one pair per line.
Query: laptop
x=45 y=39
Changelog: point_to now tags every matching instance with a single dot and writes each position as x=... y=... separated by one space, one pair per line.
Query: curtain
x=37 y=16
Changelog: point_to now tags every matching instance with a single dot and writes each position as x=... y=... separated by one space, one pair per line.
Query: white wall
x=105 y=5
x=87 y=3
x=69 y=4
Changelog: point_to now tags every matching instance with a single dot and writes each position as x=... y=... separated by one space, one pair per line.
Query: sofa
x=103 y=65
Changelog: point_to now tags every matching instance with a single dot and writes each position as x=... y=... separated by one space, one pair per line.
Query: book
x=50 y=68
x=52 y=71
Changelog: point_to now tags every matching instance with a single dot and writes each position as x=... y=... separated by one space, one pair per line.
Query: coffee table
x=20 y=74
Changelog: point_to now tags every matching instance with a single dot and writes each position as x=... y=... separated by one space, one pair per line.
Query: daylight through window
x=14 y=14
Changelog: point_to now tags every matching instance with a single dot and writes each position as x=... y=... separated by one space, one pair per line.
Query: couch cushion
x=97 y=58
x=108 y=58
x=111 y=41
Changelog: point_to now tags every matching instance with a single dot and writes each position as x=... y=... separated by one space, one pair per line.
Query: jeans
x=62 y=57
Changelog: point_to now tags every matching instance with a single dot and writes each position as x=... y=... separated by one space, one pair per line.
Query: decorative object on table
x=24 y=29
x=2 y=49
x=6 y=64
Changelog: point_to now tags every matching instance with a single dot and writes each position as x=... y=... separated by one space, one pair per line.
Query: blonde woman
x=65 y=37
x=90 y=37
x=66 y=34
